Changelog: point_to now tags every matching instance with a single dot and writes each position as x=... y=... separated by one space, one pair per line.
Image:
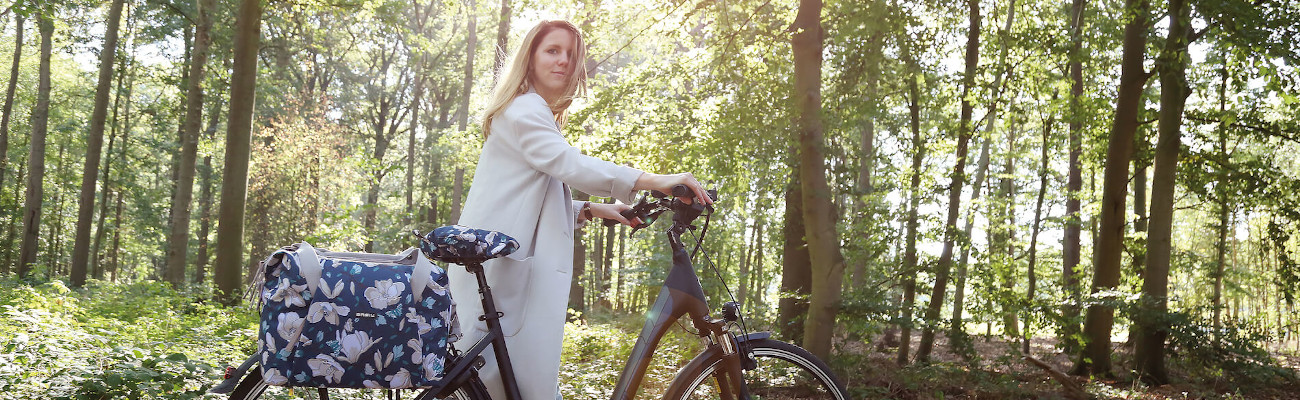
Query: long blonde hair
x=513 y=81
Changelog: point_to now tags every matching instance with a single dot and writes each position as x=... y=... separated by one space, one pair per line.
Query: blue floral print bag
x=354 y=320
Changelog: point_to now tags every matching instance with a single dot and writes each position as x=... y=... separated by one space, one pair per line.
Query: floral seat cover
x=464 y=245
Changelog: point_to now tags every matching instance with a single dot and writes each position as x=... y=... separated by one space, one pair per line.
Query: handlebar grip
x=629 y=214
x=683 y=191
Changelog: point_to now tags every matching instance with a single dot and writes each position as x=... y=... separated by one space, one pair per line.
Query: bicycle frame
x=681 y=295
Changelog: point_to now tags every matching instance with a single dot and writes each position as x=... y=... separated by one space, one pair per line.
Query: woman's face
x=551 y=71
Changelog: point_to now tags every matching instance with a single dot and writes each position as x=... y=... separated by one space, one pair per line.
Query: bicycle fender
x=753 y=336
x=233 y=376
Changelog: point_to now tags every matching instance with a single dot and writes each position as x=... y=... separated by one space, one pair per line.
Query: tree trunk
x=607 y=270
x=1031 y=293
x=957 y=333
x=55 y=221
x=205 y=203
x=1149 y=354
x=954 y=195
x=1222 y=246
x=910 y=269
x=622 y=250
x=410 y=143
x=36 y=149
x=867 y=156
x=796 y=269
x=457 y=193
x=9 y=227
x=757 y=283
x=503 y=40
x=9 y=101
x=470 y=48
x=179 y=241
x=1110 y=238
x=577 y=299
x=743 y=288
x=105 y=190
x=1004 y=236
x=230 y=231
x=1070 y=251
x=818 y=210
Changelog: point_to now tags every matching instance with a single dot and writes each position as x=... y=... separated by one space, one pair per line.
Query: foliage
x=1229 y=357
x=139 y=341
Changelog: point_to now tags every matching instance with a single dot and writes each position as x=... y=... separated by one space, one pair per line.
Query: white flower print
x=290 y=328
x=380 y=362
x=330 y=312
x=416 y=355
x=289 y=293
x=401 y=380
x=353 y=345
x=385 y=293
x=372 y=384
x=273 y=376
x=453 y=324
x=432 y=366
x=439 y=289
x=325 y=366
x=330 y=293
x=268 y=342
x=419 y=321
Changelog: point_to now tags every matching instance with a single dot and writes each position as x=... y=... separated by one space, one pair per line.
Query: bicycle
x=733 y=365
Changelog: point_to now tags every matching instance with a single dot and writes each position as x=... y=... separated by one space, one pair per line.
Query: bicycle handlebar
x=651 y=205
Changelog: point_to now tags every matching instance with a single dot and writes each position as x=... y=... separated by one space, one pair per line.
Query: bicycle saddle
x=464 y=245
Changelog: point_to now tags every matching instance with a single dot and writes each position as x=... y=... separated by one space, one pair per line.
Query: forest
x=969 y=199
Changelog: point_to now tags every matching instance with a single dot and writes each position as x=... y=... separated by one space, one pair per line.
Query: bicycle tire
x=252 y=387
x=785 y=371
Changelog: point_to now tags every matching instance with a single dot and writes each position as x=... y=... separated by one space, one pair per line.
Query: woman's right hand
x=665 y=183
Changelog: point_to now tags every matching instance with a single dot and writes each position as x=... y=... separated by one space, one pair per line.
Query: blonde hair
x=514 y=80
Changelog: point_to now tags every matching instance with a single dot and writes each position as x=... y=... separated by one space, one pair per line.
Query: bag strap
x=421 y=275
x=309 y=266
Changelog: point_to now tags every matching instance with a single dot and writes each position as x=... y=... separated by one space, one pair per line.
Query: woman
x=521 y=188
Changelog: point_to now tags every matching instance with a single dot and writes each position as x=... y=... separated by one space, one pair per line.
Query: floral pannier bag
x=354 y=320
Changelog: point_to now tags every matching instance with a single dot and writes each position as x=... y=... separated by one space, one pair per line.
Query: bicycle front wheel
x=785 y=371
x=252 y=387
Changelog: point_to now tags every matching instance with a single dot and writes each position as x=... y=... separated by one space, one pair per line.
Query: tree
x=179 y=240
x=36 y=147
x=9 y=98
x=910 y=267
x=796 y=269
x=1070 y=251
x=958 y=178
x=94 y=145
x=818 y=210
x=1149 y=354
x=1110 y=239
x=239 y=127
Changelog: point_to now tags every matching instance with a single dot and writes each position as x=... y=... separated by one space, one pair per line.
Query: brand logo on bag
x=365 y=315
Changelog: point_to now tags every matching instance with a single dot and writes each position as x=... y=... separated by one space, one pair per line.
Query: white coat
x=521 y=188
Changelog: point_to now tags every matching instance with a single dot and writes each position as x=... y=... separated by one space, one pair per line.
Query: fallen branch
x=1073 y=390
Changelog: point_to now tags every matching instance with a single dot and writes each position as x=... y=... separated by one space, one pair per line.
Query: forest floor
x=997 y=371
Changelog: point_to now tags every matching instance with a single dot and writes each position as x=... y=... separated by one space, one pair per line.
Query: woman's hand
x=611 y=211
x=665 y=183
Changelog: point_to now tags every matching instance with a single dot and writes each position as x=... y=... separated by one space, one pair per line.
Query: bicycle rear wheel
x=252 y=387
x=785 y=371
